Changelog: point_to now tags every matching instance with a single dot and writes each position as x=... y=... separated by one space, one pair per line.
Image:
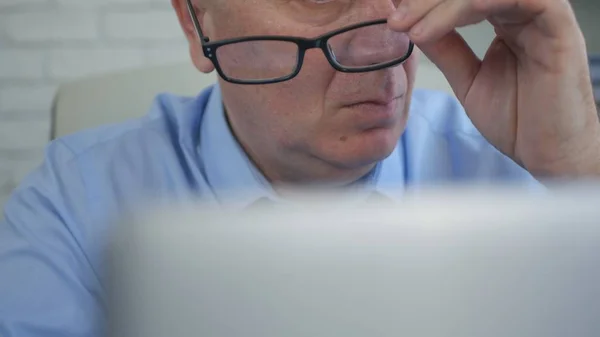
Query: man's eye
x=319 y=2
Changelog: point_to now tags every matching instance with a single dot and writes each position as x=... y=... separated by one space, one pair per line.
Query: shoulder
x=58 y=221
x=99 y=168
x=169 y=116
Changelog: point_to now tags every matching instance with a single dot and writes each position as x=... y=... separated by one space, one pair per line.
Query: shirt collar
x=390 y=177
x=234 y=179
x=237 y=183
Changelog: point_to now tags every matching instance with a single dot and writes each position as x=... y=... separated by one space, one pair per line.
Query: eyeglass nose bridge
x=308 y=44
x=318 y=43
x=322 y=43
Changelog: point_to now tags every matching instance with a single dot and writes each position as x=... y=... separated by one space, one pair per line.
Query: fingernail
x=400 y=13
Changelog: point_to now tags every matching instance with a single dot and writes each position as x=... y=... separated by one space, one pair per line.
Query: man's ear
x=202 y=63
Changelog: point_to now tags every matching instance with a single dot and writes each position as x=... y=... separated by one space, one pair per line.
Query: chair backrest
x=115 y=97
x=595 y=74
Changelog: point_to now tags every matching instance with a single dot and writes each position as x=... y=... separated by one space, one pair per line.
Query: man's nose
x=369 y=46
x=369 y=55
x=380 y=9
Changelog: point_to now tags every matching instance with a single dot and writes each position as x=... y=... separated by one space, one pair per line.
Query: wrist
x=580 y=162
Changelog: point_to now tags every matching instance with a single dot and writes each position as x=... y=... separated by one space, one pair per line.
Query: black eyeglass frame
x=210 y=49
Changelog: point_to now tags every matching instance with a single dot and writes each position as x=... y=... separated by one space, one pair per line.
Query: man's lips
x=374 y=113
x=374 y=101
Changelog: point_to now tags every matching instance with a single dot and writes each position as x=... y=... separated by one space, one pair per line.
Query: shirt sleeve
x=48 y=286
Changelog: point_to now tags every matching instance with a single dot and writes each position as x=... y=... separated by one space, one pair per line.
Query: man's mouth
x=380 y=101
x=374 y=113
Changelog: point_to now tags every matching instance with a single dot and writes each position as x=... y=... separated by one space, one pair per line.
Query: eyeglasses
x=362 y=47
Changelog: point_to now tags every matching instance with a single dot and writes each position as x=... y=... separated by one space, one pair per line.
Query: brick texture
x=19 y=98
x=44 y=43
x=75 y=63
x=152 y=25
x=20 y=64
x=54 y=25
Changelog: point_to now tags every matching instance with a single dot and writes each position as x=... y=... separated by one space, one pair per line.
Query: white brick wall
x=73 y=63
x=151 y=25
x=48 y=26
x=46 y=42
x=17 y=63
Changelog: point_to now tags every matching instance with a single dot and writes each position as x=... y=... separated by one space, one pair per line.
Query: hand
x=531 y=96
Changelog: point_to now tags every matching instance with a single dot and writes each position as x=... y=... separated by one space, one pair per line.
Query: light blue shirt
x=57 y=222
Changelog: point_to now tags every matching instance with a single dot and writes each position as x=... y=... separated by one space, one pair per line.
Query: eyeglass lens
x=359 y=48
x=368 y=46
x=258 y=60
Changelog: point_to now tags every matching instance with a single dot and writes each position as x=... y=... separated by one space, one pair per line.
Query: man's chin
x=377 y=144
x=366 y=148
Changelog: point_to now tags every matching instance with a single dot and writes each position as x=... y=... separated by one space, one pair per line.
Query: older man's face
x=344 y=120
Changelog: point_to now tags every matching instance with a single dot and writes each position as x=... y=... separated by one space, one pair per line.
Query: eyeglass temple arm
x=196 y=23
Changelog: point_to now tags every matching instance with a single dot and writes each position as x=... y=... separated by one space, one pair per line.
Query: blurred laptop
x=441 y=263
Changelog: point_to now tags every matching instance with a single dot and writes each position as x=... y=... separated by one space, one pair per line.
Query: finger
x=450 y=14
x=443 y=19
x=456 y=60
x=410 y=12
x=556 y=18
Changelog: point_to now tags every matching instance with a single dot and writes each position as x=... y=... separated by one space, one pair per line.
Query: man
x=287 y=114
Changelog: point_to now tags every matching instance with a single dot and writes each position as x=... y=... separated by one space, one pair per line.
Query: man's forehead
x=311 y=14
x=258 y=2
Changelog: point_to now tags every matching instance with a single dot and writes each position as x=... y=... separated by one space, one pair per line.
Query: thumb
x=456 y=60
